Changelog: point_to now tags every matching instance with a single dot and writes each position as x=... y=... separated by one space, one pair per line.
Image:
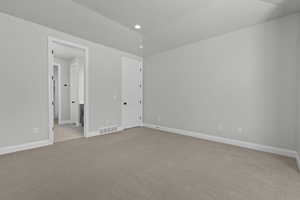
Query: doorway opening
x=67 y=90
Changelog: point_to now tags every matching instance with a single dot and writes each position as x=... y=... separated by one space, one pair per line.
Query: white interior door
x=74 y=94
x=132 y=93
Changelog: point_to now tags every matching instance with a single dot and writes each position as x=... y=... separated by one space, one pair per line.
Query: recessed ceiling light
x=137 y=26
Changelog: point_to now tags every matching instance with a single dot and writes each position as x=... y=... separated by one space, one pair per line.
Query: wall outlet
x=36 y=130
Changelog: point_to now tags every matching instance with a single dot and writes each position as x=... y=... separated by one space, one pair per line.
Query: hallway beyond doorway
x=67 y=132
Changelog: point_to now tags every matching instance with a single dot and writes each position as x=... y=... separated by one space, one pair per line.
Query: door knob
x=73 y=101
x=125 y=103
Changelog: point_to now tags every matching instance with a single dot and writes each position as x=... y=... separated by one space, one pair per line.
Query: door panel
x=131 y=93
x=74 y=80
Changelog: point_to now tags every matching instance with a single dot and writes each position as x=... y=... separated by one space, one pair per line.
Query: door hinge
x=52 y=77
x=140 y=69
x=52 y=103
x=140 y=85
x=140 y=101
x=52 y=52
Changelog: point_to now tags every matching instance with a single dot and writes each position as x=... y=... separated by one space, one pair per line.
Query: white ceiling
x=67 y=52
x=72 y=18
x=168 y=24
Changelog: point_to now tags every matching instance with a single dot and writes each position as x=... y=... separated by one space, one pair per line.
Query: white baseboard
x=91 y=134
x=119 y=129
x=248 y=145
x=135 y=125
x=97 y=133
x=23 y=147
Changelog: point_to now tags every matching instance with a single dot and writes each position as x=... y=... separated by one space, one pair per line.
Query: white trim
x=142 y=94
x=139 y=124
x=22 y=147
x=298 y=160
x=50 y=91
x=120 y=129
x=92 y=134
x=59 y=91
x=97 y=133
x=248 y=145
x=51 y=40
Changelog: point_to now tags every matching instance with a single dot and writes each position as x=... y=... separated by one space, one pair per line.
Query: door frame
x=59 y=89
x=141 y=92
x=51 y=41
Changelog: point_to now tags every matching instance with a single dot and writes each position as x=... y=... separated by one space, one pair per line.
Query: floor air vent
x=107 y=130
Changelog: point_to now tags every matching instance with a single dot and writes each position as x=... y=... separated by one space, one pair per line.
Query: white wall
x=24 y=81
x=242 y=85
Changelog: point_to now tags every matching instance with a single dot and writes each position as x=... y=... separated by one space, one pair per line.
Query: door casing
x=51 y=41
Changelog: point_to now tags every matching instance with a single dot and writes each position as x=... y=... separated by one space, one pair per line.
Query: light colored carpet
x=145 y=164
x=67 y=132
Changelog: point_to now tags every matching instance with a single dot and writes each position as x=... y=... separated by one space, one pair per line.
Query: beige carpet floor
x=67 y=132
x=145 y=164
